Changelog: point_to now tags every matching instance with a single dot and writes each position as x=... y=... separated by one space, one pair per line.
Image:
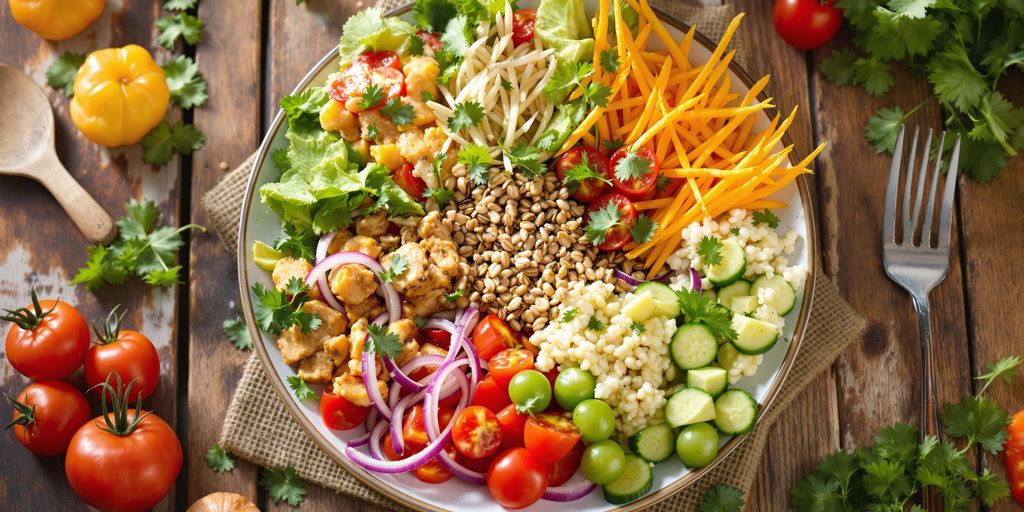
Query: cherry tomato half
x=505 y=364
x=618 y=235
x=340 y=414
x=476 y=432
x=806 y=24
x=490 y=395
x=492 y=335
x=636 y=189
x=437 y=337
x=591 y=188
x=517 y=479
x=512 y=424
x=383 y=69
x=431 y=40
x=410 y=183
x=382 y=59
x=433 y=472
x=563 y=470
x=414 y=429
x=550 y=436
x=478 y=465
x=523 y=22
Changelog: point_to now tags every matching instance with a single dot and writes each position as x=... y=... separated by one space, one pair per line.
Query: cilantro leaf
x=883 y=128
x=505 y=84
x=609 y=60
x=455 y=37
x=61 y=73
x=1004 y=369
x=978 y=419
x=371 y=132
x=838 y=66
x=400 y=113
x=874 y=75
x=235 y=331
x=383 y=342
x=395 y=268
x=722 y=498
x=297 y=245
x=982 y=159
x=442 y=195
x=632 y=166
x=911 y=8
x=188 y=89
x=710 y=250
x=643 y=229
x=568 y=315
x=595 y=325
x=478 y=162
x=613 y=144
x=699 y=308
x=179 y=5
x=597 y=94
x=527 y=158
x=466 y=115
x=277 y=310
x=99 y=270
x=991 y=488
x=426 y=97
x=181 y=25
x=283 y=485
x=454 y=296
x=300 y=388
x=219 y=460
x=601 y=221
x=582 y=171
x=566 y=78
x=433 y=15
x=955 y=79
x=372 y=97
x=304 y=107
x=416 y=45
x=637 y=327
x=768 y=217
x=160 y=144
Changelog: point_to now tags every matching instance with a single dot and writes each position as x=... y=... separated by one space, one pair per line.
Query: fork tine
x=889 y=218
x=946 y=220
x=926 y=229
x=922 y=175
x=908 y=188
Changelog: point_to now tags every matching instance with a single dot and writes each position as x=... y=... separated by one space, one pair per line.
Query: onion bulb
x=223 y=502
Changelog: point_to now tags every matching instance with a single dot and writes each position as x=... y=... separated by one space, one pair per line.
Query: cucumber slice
x=732 y=266
x=783 y=295
x=664 y=296
x=635 y=482
x=737 y=289
x=655 y=443
x=640 y=307
x=735 y=412
x=743 y=304
x=688 y=406
x=712 y=380
x=693 y=346
x=753 y=336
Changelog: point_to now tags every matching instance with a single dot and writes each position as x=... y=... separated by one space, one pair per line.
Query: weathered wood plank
x=231 y=62
x=42 y=245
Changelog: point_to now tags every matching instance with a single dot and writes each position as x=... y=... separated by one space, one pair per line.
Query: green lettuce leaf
x=564 y=26
x=371 y=30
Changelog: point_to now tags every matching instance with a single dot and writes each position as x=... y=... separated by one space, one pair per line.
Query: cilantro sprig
x=162 y=142
x=235 y=331
x=478 y=162
x=299 y=387
x=581 y=172
x=186 y=83
x=455 y=295
x=61 y=73
x=395 y=268
x=568 y=315
x=182 y=26
x=722 y=498
x=400 y=113
x=372 y=97
x=283 y=484
x=709 y=249
x=700 y=308
x=277 y=310
x=766 y=217
x=608 y=217
x=526 y=158
x=219 y=460
x=382 y=341
x=466 y=115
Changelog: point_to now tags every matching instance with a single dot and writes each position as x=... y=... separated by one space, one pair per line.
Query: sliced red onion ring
x=632 y=281
x=397 y=441
x=321 y=282
x=380 y=465
x=392 y=301
x=369 y=367
x=694 y=280
x=569 y=492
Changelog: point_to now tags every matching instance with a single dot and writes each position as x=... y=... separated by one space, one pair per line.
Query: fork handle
x=929 y=395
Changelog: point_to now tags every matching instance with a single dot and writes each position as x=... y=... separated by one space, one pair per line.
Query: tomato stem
x=120 y=424
x=28 y=319
x=26 y=414
x=108 y=331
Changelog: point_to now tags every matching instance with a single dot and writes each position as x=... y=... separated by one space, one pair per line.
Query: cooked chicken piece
x=296 y=345
x=375 y=224
x=350 y=387
x=433 y=225
x=369 y=308
x=387 y=132
x=421 y=74
x=337 y=349
x=338 y=242
x=424 y=170
x=429 y=349
x=357 y=340
x=415 y=280
x=317 y=368
x=334 y=117
x=426 y=304
x=333 y=322
x=363 y=244
x=352 y=284
x=409 y=234
x=405 y=329
x=421 y=113
x=443 y=254
x=418 y=145
x=288 y=268
x=389 y=242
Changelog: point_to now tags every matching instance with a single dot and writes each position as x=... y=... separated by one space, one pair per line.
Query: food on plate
x=46 y=415
x=120 y=95
x=47 y=341
x=130 y=354
x=56 y=20
x=528 y=250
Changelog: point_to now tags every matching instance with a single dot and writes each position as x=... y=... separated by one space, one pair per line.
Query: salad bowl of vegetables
x=678 y=294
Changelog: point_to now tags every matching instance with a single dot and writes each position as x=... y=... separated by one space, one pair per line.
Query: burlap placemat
x=259 y=428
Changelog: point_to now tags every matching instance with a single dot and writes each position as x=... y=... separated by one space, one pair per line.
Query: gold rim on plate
x=396 y=494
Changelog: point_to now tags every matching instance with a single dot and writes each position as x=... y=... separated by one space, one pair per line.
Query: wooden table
x=254 y=51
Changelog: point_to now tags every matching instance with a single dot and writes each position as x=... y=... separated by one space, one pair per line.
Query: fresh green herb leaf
x=219 y=460
x=710 y=250
x=179 y=5
x=466 y=115
x=371 y=132
x=568 y=315
x=768 y=217
x=566 y=78
x=735 y=231
x=450 y=298
x=662 y=183
x=838 y=66
x=304 y=107
x=416 y=45
x=188 y=89
x=299 y=387
x=395 y=268
x=595 y=325
x=235 y=331
x=433 y=15
x=100 y=269
x=442 y=195
x=612 y=144
x=873 y=75
x=506 y=85
x=991 y=488
x=382 y=341
x=632 y=166
x=372 y=97
x=637 y=327
x=597 y=94
x=283 y=485
x=643 y=229
x=61 y=73
x=456 y=35
x=1005 y=369
x=400 y=113
x=277 y=310
x=699 y=308
x=160 y=144
x=978 y=419
x=883 y=128
x=609 y=60
x=527 y=158
x=420 y=322
x=601 y=221
x=426 y=97
x=722 y=498
x=580 y=172
x=179 y=26
x=297 y=245
x=956 y=81
x=478 y=162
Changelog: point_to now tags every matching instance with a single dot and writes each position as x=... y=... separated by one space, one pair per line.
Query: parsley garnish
x=883 y=128
x=61 y=73
x=610 y=60
x=710 y=250
x=426 y=97
x=141 y=249
x=566 y=78
x=371 y=132
x=505 y=84
x=382 y=341
x=160 y=144
x=526 y=158
x=420 y=322
x=722 y=498
x=597 y=94
x=188 y=89
x=442 y=195
x=416 y=45
x=632 y=166
x=179 y=5
x=235 y=331
x=568 y=315
x=595 y=325
x=662 y=183
x=297 y=245
x=643 y=229
x=394 y=269
x=400 y=113
x=766 y=217
x=219 y=460
x=283 y=485
x=582 y=171
x=278 y=310
x=735 y=231
x=300 y=388
x=184 y=26
x=454 y=296
x=609 y=216
x=478 y=163
x=372 y=97
x=612 y=144
x=638 y=327
x=699 y=308
x=466 y=115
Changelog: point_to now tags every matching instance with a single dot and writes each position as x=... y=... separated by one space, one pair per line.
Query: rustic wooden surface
x=256 y=50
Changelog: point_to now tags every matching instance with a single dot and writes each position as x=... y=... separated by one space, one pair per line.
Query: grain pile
x=524 y=244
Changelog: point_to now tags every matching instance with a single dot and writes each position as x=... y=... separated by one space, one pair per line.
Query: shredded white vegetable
x=518 y=115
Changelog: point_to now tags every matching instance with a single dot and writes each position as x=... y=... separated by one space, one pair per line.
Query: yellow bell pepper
x=120 y=95
x=56 y=19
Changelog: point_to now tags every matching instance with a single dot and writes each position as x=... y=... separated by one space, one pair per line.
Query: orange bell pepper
x=56 y=19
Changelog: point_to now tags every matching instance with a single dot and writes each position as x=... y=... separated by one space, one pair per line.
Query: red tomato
x=492 y=335
x=550 y=436
x=414 y=430
x=339 y=414
x=636 y=189
x=478 y=465
x=512 y=424
x=128 y=354
x=476 y=432
x=523 y=22
x=48 y=340
x=551 y=374
x=437 y=337
x=382 y=59
x=807 y=24
x=351 y=83
x=383 y=71
x=566 y=467
x=430 y=40
x=618 y=235
x=47 y=414
x=517 y=479
x=505 y=364
x=410 y=183
x=490 y=395
x=591 y=188
x=1013 y=456
x=433 y=472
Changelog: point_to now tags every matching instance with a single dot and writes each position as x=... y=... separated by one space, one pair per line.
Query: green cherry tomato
x=573 y=386
x=603 y=462
x=595 y=420
x=697 y=445
x=530 y=390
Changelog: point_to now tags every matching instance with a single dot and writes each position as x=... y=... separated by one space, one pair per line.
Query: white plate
x=259 y=223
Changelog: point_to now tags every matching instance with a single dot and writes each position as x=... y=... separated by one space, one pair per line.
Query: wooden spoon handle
x=92 y=220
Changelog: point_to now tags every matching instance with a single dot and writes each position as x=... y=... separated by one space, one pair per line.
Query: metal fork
x=911 y=261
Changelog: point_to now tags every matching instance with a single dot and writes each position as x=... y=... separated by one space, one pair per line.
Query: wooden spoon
x=27 y=149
